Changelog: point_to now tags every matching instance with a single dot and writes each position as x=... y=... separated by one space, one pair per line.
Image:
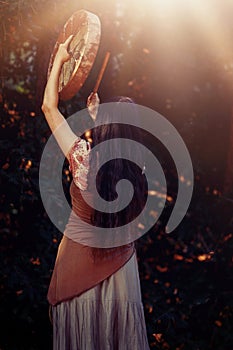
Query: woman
x=94 y=292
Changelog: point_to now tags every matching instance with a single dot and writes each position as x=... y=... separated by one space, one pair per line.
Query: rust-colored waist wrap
x=75 y=269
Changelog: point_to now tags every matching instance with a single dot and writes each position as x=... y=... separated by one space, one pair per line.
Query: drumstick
x=101 y=73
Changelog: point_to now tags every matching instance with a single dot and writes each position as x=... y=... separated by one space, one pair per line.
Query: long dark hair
x=112 y=171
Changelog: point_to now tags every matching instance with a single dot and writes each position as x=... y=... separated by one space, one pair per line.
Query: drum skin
x=86 y=28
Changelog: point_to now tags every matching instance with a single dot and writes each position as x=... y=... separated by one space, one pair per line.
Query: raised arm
x=57 y=123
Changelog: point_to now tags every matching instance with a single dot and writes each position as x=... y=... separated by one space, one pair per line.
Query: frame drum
x=86 y=28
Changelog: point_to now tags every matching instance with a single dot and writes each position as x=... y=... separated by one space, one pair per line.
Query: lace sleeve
x=78 y=157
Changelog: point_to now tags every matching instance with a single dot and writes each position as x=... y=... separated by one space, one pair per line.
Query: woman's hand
x=50 y=101
x=62 y=54
x=93 y=102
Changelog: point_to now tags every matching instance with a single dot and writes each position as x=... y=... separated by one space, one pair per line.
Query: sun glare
x=209 y=17
x=209 y=22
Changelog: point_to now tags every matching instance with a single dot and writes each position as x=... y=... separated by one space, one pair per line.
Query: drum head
x=85 y=26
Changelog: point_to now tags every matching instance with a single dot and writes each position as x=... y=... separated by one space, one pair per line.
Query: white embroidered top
x=79 y=162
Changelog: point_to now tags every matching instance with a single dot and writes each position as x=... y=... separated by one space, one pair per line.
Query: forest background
x=175 y=57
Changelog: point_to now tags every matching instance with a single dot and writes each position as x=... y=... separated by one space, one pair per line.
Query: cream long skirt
x=109 y=316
